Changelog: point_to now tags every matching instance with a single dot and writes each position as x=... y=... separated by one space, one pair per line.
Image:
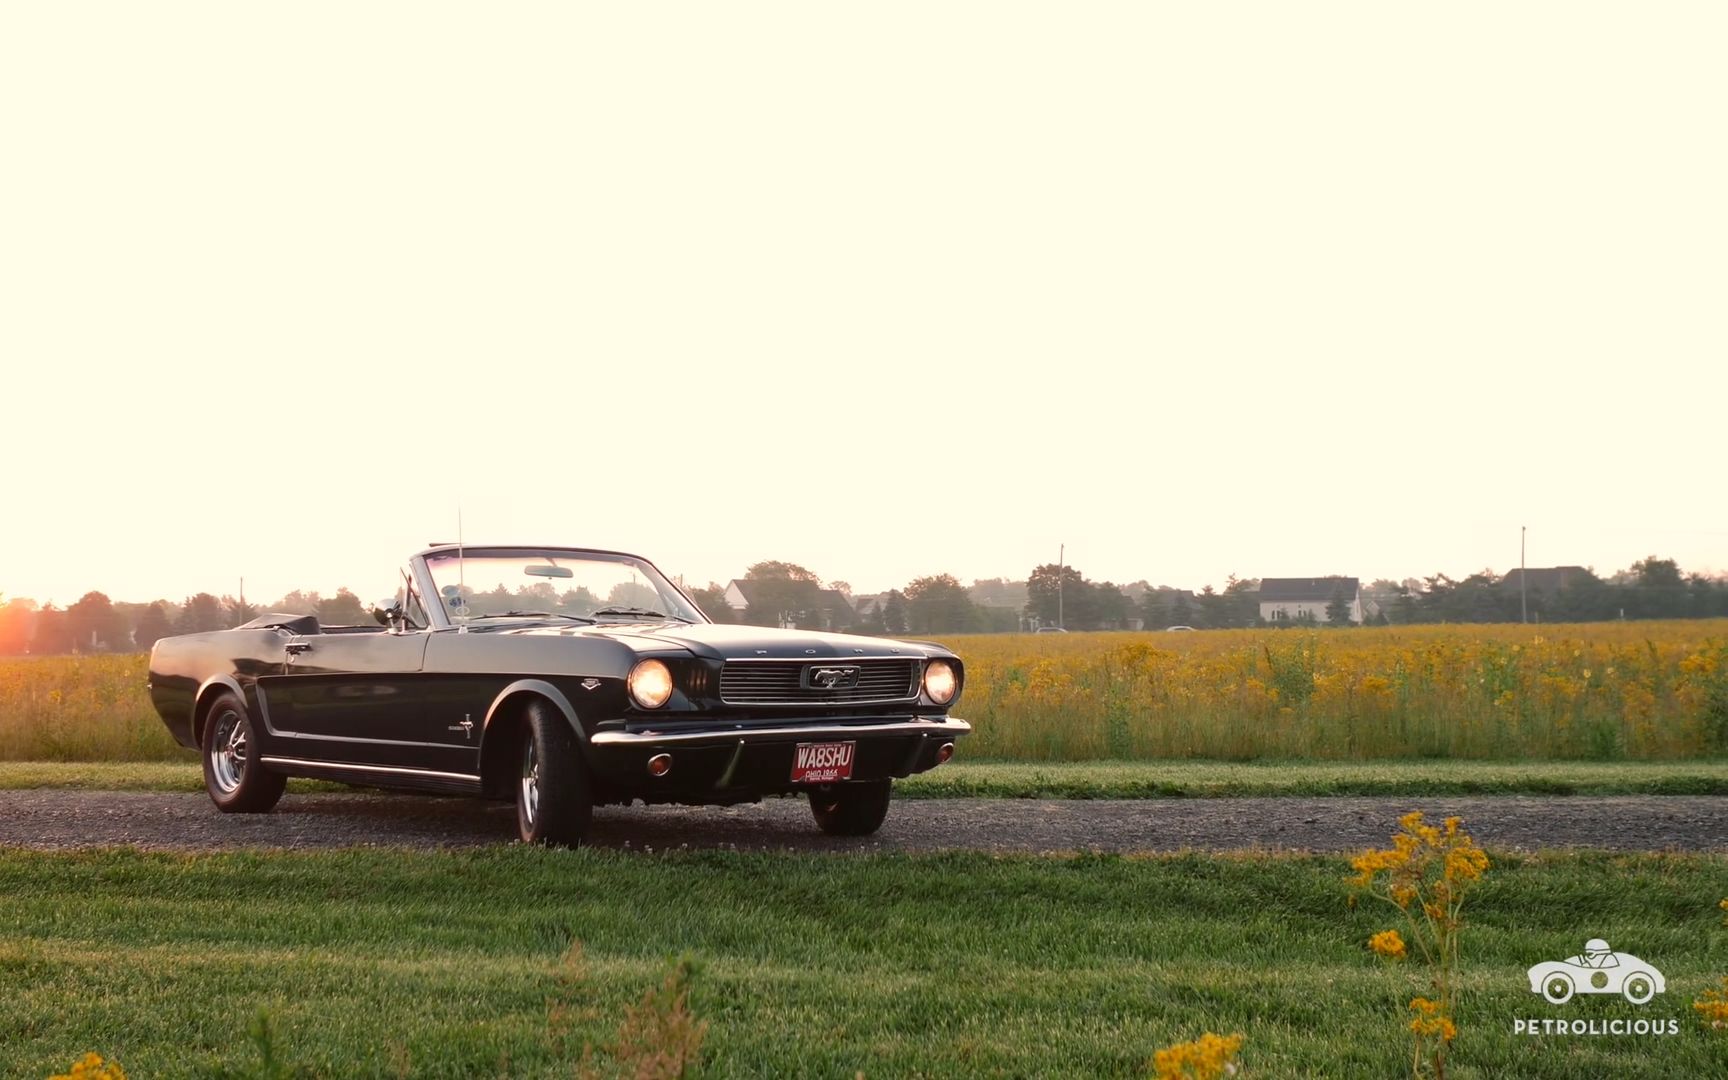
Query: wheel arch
x=500 y=730
x=207 y=693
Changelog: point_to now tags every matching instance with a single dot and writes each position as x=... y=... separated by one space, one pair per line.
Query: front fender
x=538 y=687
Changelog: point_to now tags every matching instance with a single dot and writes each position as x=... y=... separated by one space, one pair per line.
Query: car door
x=359 y=698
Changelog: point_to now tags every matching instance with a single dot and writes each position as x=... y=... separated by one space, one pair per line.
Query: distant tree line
x=97 y=624
x=787 y=594
x=1652 y=588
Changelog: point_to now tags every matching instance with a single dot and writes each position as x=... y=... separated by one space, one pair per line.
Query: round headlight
x=650 y=684
x=940 y=682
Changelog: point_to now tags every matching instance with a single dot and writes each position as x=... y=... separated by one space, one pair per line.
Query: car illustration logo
x=1597 y=970
x=831 y=678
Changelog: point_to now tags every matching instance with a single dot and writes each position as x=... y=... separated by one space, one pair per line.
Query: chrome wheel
x=238 y=782
x=530 y=793
x=228 y=751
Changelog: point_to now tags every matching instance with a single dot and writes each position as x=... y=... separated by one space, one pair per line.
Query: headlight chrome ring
x=650 y=684
x=941 y=681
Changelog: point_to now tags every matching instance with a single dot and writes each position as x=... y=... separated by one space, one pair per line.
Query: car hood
x=721 y=641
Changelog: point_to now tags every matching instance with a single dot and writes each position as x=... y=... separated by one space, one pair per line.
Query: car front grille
x=784 y=682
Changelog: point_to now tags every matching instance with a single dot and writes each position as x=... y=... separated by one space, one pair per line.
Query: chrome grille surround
x=881 y=681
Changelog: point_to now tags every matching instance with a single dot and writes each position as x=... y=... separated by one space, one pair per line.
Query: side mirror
x=388 y=613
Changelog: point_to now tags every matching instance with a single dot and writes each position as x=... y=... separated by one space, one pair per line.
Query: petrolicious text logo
x=1596 y=970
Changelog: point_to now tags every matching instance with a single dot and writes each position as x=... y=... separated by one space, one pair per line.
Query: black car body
x=562 y=705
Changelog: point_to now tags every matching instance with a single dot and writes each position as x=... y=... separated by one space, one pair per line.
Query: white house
x=828 y=609
x=1294 y=598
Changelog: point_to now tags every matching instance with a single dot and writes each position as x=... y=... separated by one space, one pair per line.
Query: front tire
x=237 y=781
x=554 y=798
x=851 y=809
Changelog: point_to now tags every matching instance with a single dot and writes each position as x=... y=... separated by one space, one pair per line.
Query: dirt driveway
x=47 y=819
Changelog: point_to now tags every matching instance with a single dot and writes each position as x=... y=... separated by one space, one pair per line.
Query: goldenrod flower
x=1431 y=1020
x=92 y=1067
x=1426 y=874
x=1388 y=943
x=1207 y=1058
x=1712 y=1007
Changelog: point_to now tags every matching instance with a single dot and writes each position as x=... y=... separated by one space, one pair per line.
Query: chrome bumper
x=745 y=733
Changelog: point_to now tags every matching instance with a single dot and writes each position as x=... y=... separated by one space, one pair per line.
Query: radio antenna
x=461 y=580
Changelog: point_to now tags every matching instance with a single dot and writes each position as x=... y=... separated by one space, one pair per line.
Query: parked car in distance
x=559 y=678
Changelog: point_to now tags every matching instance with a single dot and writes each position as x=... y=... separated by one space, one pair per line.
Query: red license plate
x=822 y=762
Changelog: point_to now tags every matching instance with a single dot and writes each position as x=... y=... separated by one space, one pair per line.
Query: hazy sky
x=887 y=289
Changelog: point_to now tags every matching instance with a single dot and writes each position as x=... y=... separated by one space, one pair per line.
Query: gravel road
x=58 y=820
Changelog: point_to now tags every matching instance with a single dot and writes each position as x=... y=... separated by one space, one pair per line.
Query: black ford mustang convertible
x=559 y=678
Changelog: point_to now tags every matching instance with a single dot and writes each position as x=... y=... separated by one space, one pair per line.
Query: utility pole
x=1061 y=557
x=1523 y=580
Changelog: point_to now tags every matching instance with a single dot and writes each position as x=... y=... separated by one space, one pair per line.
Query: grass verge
x=1214 y=779
x=1097 y=780
x=377 y=963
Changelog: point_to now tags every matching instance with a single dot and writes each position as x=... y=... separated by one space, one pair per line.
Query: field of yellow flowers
x=80 y=708
x=1607 y=691
x=1599 y=691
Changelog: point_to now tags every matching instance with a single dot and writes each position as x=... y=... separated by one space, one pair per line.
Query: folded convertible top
x=294 y=624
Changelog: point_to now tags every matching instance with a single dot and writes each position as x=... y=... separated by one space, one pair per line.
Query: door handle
x=295 y=648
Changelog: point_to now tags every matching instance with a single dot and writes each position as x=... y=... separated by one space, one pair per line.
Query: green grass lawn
x=1103 y=780
x=386 y=963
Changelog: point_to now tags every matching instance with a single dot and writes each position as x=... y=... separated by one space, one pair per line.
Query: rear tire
x=554 y=797
x=237 y=781
x=851 y=809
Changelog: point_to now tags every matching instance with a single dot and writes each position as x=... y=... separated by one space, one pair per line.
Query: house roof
x=744 y=589
x=1544 y=579
x=835 y=600
x=830 y=599
x=1278 y=590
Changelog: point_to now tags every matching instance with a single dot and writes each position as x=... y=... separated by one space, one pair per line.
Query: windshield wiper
x=534 y=615
x=643 y=612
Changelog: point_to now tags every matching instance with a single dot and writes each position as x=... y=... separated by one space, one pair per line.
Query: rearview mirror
x=548 y=571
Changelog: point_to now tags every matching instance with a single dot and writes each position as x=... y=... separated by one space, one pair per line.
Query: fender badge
x=589 y=684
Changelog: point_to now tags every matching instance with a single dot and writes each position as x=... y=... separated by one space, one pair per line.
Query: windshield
x=583 y=586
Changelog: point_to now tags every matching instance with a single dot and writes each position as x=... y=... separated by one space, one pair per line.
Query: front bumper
x=726 y=760
x=757 y=733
